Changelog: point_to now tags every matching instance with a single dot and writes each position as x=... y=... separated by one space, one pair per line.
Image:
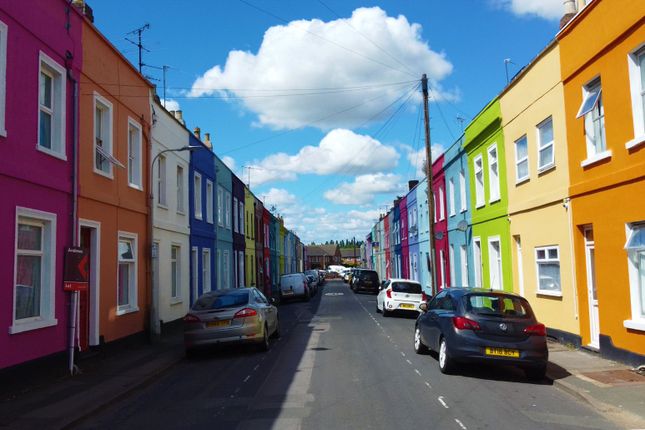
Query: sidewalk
x=59 y=402
x=611 y=388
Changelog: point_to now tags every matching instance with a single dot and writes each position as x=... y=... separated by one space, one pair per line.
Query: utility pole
x=426 y=115
x=139 y=45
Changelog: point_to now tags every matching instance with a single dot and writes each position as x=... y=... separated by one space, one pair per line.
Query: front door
x=84 y=296
x=594 y=323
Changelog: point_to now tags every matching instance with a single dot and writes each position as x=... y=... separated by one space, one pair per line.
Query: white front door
x=594 y=324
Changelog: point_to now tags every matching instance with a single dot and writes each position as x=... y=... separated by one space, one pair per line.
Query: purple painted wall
x=29 y=177
x=405 y=250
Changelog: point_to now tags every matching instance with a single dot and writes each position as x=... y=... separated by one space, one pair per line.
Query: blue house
x=413 y=230
x=201 y=188
x=459 y=215
x=423 y=235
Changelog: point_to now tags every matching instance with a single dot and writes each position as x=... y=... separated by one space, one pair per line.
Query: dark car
x=482 y=326
x=365 y=280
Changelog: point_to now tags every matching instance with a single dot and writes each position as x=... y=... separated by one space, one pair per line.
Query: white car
x=399 y=295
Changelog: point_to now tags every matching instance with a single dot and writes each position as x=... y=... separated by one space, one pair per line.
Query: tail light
x=424 y=298
x=463 y=323
x=536 y=330
x=388 y=293
x=246 y=312
x=191 y=319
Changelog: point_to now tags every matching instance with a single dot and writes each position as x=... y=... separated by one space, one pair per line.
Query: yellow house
x=539 y=214
x=249 y=237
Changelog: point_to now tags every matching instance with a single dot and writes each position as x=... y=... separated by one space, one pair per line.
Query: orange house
x=603 y=69
x=114 y=124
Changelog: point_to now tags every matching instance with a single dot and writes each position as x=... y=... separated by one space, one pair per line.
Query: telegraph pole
x=426 y=114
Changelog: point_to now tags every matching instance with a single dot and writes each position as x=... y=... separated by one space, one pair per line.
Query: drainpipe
x=73 y=313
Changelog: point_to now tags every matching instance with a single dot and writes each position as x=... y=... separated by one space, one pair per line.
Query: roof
x=350 y=252
x=320 y=250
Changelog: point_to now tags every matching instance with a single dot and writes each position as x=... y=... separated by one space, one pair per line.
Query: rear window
x=369 y=276
x=406 y=287
x=498 y=305
x=222 y=300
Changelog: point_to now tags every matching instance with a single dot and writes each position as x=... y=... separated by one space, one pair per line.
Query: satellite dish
x=462 y=225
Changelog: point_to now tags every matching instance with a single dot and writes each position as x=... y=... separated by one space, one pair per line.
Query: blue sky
x=320 y=98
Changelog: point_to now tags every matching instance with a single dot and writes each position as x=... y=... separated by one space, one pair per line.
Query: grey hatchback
x=234 y=315
x=477 y=325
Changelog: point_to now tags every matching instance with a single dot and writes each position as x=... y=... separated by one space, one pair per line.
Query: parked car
x=315 y=280
x=366 y=280
x=482 y=326
x=312 y=283
x=234 y=315
x=346 y=275
x=294 y=286
x=399 y=295
x=352 y=274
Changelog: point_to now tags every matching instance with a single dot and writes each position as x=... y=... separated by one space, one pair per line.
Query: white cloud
x=417 y=158
x=171 y=104
x=341 y=151
x=313 y=54
x=229 y=162
x=364 y=188
x=278 y=197
x=547 y=9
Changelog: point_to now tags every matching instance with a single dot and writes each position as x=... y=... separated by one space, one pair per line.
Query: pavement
x=610 y=388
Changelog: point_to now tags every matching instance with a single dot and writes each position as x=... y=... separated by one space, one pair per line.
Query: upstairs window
x=442 y=208
x=451 y=196
x=637 y=86
x=161 y=182
x=521 y=160
x=51 y=107
x=594 y=119
x=235 y=216
x=103 y=158
x=479 y=181
x=220 y=206
x=546 y=158
x=197 y=195
x=134 y=154
x=462 y=191
x=180 y=189
x=493 y=172
x=227 y=209
x=209 y=201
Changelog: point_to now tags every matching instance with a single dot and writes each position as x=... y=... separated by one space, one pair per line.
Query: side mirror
x=273 y=300
x=423 y=307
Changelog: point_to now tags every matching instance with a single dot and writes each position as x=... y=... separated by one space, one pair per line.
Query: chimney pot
x=570 y=10
x=197 y=132
x=179 y=116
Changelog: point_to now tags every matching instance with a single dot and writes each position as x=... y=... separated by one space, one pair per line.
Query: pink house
x=40 y=55
x=405 y=249
x=442 y=257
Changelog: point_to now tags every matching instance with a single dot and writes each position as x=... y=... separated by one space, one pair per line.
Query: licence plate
x=406 y=306
x=287 y=293
x=503 y=352
x=223 y=323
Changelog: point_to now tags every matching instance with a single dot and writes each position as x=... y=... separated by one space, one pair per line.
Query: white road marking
x=428 y=384
x=403 y=353
x=460 y=424
x=247 y=378
x=237 y=390
x=409 y=362
x=440 y=398
x=417 y=371
x=256 y=367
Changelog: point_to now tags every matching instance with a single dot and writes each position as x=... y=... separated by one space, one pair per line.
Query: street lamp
x=155 y=324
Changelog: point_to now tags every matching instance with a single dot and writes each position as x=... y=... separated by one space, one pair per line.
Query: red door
x=84 y=296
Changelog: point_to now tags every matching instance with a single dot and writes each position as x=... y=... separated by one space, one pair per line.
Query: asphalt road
x=340 y=365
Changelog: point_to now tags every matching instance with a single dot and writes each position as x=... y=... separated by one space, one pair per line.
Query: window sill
x=635 y=142
x=136 y=187
x=596 y=158
x=176 y=301
x=128 y=310
x=161 y=206
x=548 y=293
x=181 y=213
x=635 y=324
x=51 y=152
x=102 y=173
x=496 y=199
x=18 y=327
x=546 y=168
x=522 y=180
x=198 y=217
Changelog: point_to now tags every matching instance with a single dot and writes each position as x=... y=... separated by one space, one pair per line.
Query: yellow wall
x=538 y=217
x=249 y=233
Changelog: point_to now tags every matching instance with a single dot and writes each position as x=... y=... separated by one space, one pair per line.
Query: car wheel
x=419 y=347
x=264 y=346
x=386 y=313
x=535 y=373
x=378 y=311
x=276 y=333
x=446 y=364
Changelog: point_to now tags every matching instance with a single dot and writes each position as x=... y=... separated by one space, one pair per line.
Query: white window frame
x=135 y=162
x=4 y=35
x=46 y=221
x=434 y=207
x=637 y=90
x=132 y=305
x=524 y=160
x=636 y=280
x=491 y=240
x=478 y=262
x=175 y=281
x=181 y=205
x=206 y=270
x=227 y=210
x=241 y=212
x=58 y=110
x=547 y=260
x=107 y=147
x=544 y=146
x=226 y=269
x=442 y=205
x=493 y=178
x=219 y=269
x=463 y=256
x=462 y=191
x=197 y=195
x=594 y=153
x=194 y=255
x=235 y=216
x=220 y=206
x=451 y=194
x=478 y=168
x=162 y=182
x=209 y=201
x=451 y=263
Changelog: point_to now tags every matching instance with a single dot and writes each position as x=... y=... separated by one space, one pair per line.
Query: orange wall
x=112 y=202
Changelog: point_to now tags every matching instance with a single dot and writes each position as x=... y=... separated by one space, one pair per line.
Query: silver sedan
x=235 y=315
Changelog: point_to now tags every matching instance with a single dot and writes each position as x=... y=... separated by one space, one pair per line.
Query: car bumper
x=205 y=337
x=395 y=305
x=533 y=351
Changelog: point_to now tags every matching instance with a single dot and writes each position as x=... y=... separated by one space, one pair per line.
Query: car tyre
x=446 y=364
x=266 y=344
x=378 y=311
x=386 y=313
x=535 y=374
x=419 y=347
x=276 y=333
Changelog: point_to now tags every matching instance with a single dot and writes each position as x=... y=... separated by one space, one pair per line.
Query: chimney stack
x=179 y=116
x=197 y=132
x=569 y=12
x=207 y=140
x=84 y=8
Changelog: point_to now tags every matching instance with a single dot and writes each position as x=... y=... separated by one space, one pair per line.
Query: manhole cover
x=616 y=377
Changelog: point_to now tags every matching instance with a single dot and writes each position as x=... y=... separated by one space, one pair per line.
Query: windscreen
x=369 y=276
x=497 y=305
x=230 y=299
x=406 y=287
